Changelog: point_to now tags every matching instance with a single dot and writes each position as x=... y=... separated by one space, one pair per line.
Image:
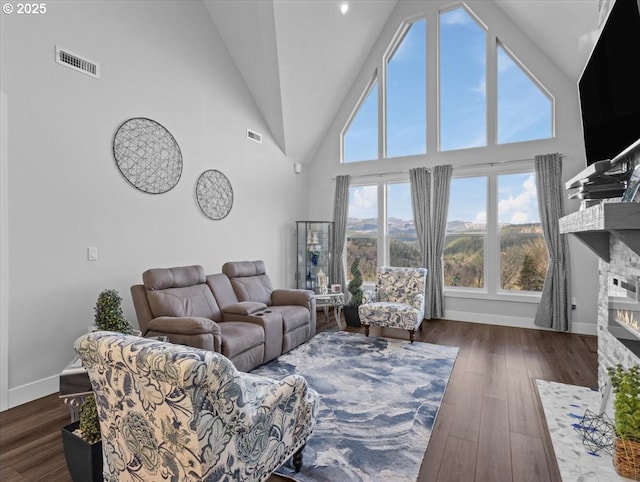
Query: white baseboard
x=34 y=390
x=514 y=321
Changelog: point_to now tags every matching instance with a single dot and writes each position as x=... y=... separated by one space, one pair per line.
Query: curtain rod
x=466 y=166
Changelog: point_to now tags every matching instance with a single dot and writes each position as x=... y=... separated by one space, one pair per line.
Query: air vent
x=75 y=62
x=254 y=136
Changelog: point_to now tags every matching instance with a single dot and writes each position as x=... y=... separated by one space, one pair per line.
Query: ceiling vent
x=254 y=136
x=75 y=62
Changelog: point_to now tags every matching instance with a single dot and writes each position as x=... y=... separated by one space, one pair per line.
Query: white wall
x=568 y=141
x=65 y=192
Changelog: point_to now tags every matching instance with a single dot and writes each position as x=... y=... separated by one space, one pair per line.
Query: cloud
x=481 y=217
x=363 y=202
x=459 y=16
x=521 y=208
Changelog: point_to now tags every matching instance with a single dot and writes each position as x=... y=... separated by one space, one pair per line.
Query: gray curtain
x=340 y=212
x=554 y=310
x=434 y=307
x=420 y=181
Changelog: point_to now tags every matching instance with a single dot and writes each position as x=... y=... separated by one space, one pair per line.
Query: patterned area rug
x=379 y=398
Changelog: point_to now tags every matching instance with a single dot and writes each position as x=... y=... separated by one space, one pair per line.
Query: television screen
x=610 y=85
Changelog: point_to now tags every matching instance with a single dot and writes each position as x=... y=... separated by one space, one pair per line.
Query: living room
x=62 y=193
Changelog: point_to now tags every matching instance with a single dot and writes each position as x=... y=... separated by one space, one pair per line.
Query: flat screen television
x=609 y=86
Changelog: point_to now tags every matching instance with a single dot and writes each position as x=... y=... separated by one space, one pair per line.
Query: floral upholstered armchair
x=398 y=300
x=170 y=412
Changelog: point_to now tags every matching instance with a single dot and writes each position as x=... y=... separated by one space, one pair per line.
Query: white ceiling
x=299 y=58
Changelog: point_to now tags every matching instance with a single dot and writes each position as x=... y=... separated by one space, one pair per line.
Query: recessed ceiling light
x=344 y=8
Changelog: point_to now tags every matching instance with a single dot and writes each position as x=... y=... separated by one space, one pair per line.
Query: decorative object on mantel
x=147 y=155
x=626 y=406
x=596 y=429
x=596 y=432
x=214 y=194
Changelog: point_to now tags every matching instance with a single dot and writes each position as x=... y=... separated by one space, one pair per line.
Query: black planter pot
x=351 y=316
x=84 y=459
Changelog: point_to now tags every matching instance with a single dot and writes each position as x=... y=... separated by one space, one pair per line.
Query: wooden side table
x=331 y=300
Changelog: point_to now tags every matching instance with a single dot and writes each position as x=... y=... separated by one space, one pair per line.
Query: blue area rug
x=379 y=398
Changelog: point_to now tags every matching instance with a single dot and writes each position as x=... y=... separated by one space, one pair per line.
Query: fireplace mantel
x=595 y=225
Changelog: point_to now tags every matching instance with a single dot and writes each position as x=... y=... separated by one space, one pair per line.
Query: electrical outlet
x=574 y=303
x=92 y=253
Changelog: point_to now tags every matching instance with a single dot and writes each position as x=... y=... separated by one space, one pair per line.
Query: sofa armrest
x=283 y=297
x=245 y=308
x=184 y=325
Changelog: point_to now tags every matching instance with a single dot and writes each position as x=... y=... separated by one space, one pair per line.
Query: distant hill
x=401 y=227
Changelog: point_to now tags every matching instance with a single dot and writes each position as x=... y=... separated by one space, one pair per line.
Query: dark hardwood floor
x=490 y=426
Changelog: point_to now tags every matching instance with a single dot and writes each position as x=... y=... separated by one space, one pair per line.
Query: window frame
x=500 y=45
x=492 y=289
x=363 y=97
x=383 y=240
x=389 y=52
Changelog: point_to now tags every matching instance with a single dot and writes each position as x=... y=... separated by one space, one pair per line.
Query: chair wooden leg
x=297 y=459
x=366 y=330
x=412 y=333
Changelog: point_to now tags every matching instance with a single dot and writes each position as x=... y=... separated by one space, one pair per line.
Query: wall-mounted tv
x=610 y=85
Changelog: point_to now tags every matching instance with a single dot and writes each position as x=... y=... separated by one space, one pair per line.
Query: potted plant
x=108 y=313
x=355 y=288
x=81 y=439
x=626 y=408
x=82 y=445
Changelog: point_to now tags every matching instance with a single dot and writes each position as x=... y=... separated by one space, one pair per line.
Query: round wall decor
x=214 y=194
x=147 y=155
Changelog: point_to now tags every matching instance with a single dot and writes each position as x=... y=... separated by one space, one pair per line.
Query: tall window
x=463 y=257
x=361 y=136
x=503 y=207
x=380 y=228
x=463 y=78
x=362 y=230
x=523 y=252
x=525 y=111
x=406 y=99
x=401 y=230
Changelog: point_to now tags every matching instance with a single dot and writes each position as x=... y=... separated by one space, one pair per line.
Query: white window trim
x=492 y=289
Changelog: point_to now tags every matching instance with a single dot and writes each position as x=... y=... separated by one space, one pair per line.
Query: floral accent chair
x=398 y=300
x=170 y=412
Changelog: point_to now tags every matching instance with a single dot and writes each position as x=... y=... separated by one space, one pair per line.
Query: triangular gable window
x=360 y=138
x=525 y=110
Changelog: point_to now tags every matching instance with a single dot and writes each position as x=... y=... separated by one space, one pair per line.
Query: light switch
x=92 y=253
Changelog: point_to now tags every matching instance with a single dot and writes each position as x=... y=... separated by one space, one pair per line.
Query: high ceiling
x=300 y=58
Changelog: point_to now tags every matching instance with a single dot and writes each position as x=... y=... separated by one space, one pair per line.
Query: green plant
x=626 y=405
x=109 y=314
x=355 y=284
x=89 y=421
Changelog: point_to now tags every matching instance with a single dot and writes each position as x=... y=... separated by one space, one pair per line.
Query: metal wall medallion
x=214 y=194
x=147 y=155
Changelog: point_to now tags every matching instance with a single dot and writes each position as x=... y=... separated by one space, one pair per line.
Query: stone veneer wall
x=625 y=263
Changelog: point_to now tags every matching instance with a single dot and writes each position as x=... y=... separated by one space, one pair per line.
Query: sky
x=524 y=112
x=517 y=200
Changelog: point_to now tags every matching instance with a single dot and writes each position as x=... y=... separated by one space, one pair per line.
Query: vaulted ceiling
x=300 y=58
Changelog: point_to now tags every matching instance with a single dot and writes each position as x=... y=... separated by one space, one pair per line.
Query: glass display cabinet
x=313 y=246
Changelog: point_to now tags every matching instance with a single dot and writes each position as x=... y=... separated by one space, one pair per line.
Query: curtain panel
x=340 y=212
x=434 y=307
x=554 y=310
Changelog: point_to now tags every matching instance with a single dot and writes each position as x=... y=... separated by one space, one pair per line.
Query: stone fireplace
x=618 y=309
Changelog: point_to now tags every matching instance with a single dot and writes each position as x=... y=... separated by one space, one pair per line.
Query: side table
x=74 y=386
x=334 y=300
